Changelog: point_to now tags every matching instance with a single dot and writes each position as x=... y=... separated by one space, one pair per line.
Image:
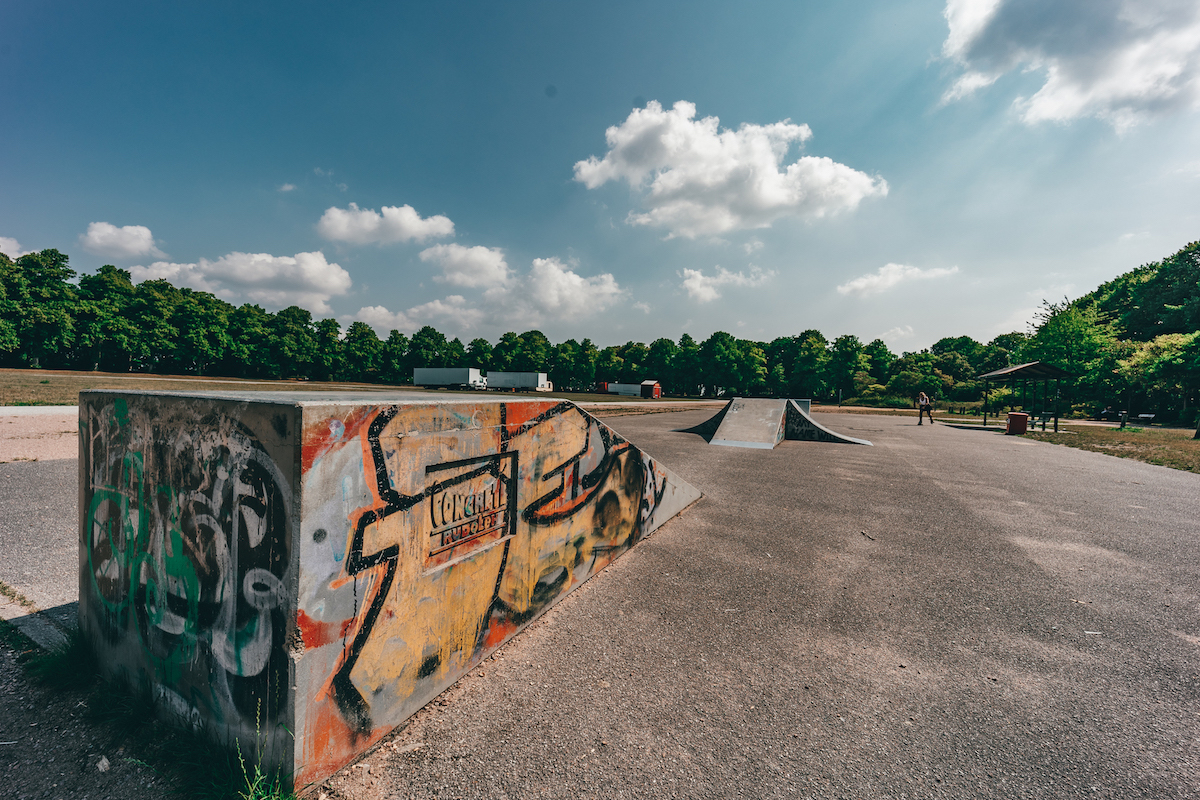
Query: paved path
x=947 y=614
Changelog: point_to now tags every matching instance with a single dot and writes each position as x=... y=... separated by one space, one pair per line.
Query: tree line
x=1134 y=339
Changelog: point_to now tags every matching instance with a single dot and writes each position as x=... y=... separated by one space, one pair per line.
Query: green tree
x=202 y=340
x=633 y=360
x=363 y=353
x=881 y=360
x=1157 y=298
x=249 y=354
x=9 y=339
x=292 y=343
x=506 y=351
x=428 y=348
x=1075 y=339
x=329 y=357
x=1166 y=368
x=396 y=369
x=456 y=354
x=479 y=354
x=151 y=311
x=721 y=361
x=846 y=360
x=609 y=365
x=43 y=304
x=107 y=336
x=660 y=363
x=686 y=378
x=808 y=373
x=535 y=353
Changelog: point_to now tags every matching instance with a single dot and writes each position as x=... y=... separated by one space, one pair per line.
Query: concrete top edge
x=301 y=398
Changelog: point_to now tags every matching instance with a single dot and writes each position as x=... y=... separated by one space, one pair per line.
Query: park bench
x=1042 y=417
x=1145 y=418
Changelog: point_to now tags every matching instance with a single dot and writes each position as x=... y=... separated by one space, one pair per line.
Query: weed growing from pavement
x=1166 y=447
x=207 y=770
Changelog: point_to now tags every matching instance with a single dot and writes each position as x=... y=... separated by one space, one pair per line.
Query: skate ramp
x=300 y=572
x=763 y=423
x=751 y=423
x=800 y=426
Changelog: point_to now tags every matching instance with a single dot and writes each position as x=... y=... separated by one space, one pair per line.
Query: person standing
x=924 y=406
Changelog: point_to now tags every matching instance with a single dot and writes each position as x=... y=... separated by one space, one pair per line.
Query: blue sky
x=905 y=170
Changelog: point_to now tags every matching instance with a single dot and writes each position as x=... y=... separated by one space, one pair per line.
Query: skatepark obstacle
x=764 y=422
x=303 y=571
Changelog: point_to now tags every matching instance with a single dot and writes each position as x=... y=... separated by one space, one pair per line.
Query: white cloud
x=1118 y=60
x=130 y=241
x=453 y=309
x=891 y=275
x=550 y=292
x=395 y=224
x=898 y=334
x=643 y=307
x=287 y=187
x=703 y=287
x=752 y=246
x=305 y=279
x=382 y=320
x=699 y=180
x=12 y=248
x=468 y=266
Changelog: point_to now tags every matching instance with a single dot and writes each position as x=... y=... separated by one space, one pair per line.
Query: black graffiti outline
x=352 y=705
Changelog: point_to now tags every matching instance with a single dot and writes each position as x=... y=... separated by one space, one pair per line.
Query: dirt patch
x=39 y=437
x=50 y=750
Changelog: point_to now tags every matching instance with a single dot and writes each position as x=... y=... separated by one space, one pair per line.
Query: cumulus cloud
x=704 y=288
x=393 y=224
x=468 y=266
x=305 y=279
x=12 y=248
x=553 y=290
x=109 y=241
x=379 y=318
x=699 y=180
x=550 y=291
x=889 y=276
x=899 y=333
x=287 y=187
x=1118 y=60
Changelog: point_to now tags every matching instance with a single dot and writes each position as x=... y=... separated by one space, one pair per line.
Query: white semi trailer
x=519 y=381
x=449 y=378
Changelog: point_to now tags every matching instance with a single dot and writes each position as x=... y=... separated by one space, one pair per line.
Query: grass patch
x=71 y=666
x=1166 y=447
x=204 y=769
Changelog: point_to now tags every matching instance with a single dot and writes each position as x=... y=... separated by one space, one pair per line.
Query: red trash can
x=1018 y=423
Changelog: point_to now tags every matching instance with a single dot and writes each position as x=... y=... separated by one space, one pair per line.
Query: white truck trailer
x=449 y=378
x=519 y=381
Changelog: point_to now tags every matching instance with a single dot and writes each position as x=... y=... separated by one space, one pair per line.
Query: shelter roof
x=1034 y=370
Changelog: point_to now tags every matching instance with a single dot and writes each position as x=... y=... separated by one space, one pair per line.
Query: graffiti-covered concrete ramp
x=306 y=570
x=764 y=423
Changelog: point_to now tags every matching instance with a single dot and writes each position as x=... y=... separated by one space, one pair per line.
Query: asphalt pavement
x=950 y=613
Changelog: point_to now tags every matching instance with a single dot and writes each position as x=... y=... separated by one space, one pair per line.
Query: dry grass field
x=44 y=387
x=1167 y=447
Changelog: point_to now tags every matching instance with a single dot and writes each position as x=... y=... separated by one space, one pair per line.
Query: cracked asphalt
x=949 y=613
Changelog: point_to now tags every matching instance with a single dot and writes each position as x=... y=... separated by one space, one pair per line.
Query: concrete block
x=300 y=572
